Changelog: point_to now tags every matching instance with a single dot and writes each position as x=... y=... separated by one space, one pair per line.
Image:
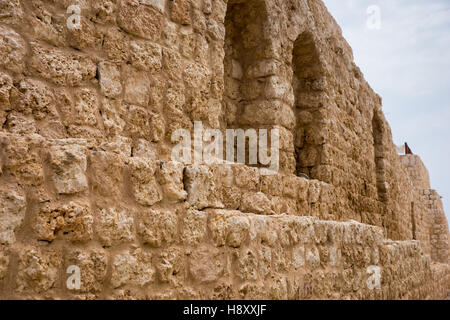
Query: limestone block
x=137 y=88
x=12 y=12
x=69 y=163
x=35 y=98
x=256 y=203
x=197 y=76
x=180 y=11
x=88 y=36
x=170 y=176
x=115 y=226
x=272 y=185
x=12 y=214
x=269 y=113
x=265 y=261
x=107 y=177
x=201 y=189
x=246 y=265
x=140 y=19
x=194 y=227
x=146 y=189
x=38 y=269
x=144 y=124
x=61 y=68
x=93 y=268
x=171 y=266
x=158 y=4
x=13 y=50
x=238 y=229
x=109 y=78
x=146 y=56
x=6 y=90
x=23 y=159
x=132 y=268
x=104 y=11
x=262 y=69
x=116 y=45
x=298 y=257
x=264 y=228
x=312 y=258
x=172 y=64
x=247 y=178
x=73 y=220
x=229 y=227
x=157 y=227
x=206 y=265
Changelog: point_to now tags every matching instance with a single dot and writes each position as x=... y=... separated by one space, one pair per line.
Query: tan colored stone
x=157 y=227
x=73 y=220
x=12 y=214
x=132 y=268
x=115 y=226
x=69 y=164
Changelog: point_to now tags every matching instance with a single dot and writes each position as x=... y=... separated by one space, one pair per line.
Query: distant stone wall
x=87 y=181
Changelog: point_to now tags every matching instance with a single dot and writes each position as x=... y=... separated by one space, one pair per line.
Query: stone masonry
x=86 y=176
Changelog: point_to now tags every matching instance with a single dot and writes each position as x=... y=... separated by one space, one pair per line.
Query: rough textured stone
x=73 y=220
x=86 y=172
x=132 y=268
x=115 y=226
x=157 y=227
x=38 y=269
x=61 y=68
x=12 y=214
x=93 y=268
x=146 y=189
x=69 y=164
x=109 y=78
x=13 y=50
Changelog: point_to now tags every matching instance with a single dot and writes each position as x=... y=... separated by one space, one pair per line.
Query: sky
x=403 y=49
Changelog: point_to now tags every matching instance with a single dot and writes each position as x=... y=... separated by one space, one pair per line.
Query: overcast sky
x=407 y=61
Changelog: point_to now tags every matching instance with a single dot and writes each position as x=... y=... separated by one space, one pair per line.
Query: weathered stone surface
x=140 y=19
x=132 y=268
x=38 y=270
x=115 y=226
x=93 y=268
x=69 y=163
x=157 y=227
x=13 y=50
x=201 y=188
x=73 y=220
x=146 y=56
x=109 y=78
x=60 y=67
x=87 y=117
x=170 y=176
x=12 y=214
x=146 y=189
x=194 y=227
x=206 y=265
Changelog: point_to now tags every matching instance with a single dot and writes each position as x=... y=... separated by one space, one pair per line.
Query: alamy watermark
x=374 y=17
x=208 y=147
x=74 y=20
x=74 y=280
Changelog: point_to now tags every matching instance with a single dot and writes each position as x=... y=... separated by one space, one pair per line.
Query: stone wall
x=87 y=115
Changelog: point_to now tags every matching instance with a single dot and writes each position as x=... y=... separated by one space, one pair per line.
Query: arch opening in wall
x=244 y=21
x=379 y=157
x=413 y=222
x=308 y=84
